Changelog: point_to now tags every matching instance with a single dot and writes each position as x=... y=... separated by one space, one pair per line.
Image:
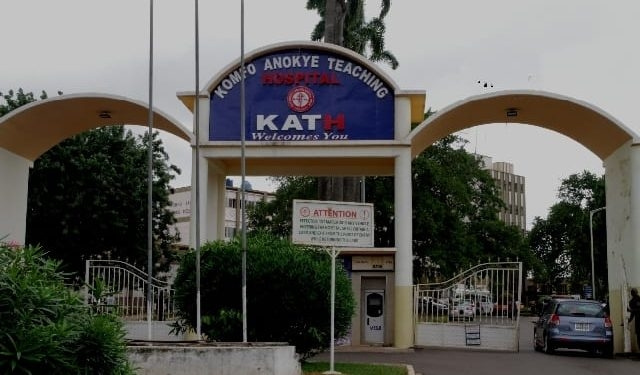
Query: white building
x=181 y=207
x=512 y=192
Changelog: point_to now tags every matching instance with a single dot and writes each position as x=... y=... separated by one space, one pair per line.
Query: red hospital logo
x=300 y=99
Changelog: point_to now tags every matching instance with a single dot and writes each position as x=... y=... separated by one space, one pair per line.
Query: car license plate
x=582 y=327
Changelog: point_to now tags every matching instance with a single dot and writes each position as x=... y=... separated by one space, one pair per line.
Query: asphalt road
x=524 y=362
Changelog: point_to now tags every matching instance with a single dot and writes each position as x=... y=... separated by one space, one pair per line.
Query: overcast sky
x=585 y=49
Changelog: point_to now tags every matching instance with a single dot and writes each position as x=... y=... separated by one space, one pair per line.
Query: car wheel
x=536 y=347
x=548 y=347
x=607 y=351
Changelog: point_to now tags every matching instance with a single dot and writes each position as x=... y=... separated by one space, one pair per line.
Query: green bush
x=45 y=328
x=288 y=293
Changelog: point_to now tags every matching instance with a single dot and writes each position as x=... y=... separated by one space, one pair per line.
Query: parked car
x=574 y=324
x=462 y=310
x=504 y=308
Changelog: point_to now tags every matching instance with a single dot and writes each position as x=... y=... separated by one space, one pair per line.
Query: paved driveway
x=524 y=362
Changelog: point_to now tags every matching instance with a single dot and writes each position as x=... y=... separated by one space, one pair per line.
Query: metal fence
x=121 y=288
x=489 y=293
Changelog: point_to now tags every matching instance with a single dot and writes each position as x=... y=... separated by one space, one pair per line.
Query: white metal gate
x=121 y=288
x=479 y=308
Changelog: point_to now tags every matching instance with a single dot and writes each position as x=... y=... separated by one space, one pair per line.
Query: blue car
x=574 y=324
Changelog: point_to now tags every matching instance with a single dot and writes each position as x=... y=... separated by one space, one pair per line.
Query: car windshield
x=580 y=309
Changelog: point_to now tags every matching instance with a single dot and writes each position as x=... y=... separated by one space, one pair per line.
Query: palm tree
x=343 y=23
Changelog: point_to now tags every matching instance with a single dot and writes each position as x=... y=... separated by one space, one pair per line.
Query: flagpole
x=243 y=172
x=150 y=178
x=197 y=172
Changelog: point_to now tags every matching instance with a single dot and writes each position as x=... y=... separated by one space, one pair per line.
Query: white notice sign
x=328 y=223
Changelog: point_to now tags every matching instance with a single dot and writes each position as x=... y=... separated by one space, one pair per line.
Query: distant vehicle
x=504 y=308
x=484 y=305
x=574 y=324
x=480 y=297
x=432 y=307
x=462 y=310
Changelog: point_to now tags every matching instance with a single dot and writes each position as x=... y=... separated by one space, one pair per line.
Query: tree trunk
x=337 y=188
x=334 y=13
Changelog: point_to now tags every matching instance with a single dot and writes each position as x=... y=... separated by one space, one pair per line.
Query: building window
x=229 y=232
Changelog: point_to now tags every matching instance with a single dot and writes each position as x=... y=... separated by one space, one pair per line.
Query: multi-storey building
x=512 y=191
x=181 y=207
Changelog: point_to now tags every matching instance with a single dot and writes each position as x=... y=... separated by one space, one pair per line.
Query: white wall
x=622 y=179
x=14 y=179
x=254 y=359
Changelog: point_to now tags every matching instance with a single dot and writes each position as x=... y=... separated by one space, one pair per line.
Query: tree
x=17 y=99
x=275 y=216
x=456 y=205
x=562 y=240
x=88 y=198
x=290 y=301
x=548 y=242
x=87 y=195
x=46 y=328
x=343 y=23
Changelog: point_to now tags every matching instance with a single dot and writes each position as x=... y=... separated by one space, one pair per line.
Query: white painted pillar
x=632 y=253
x=622 y=176
x=403 y=327
x=14 y=188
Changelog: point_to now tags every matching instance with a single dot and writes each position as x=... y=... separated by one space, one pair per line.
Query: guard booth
x=372 y=281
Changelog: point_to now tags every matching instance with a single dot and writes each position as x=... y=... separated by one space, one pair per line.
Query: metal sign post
x=332 y=224
x=334 y=253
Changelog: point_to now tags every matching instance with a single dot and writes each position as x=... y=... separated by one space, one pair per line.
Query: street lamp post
x=593 y=274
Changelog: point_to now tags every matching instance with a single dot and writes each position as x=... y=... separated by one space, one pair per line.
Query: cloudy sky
x=585 y=49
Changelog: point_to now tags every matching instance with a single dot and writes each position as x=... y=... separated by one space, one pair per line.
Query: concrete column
x=632 y=253
x=212 y=177
x=14 y=187
x=622 y=175
x=404 y=259
x=630 y=256
x=402 y=117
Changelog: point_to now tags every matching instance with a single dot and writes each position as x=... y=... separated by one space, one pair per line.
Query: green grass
x=317 y=368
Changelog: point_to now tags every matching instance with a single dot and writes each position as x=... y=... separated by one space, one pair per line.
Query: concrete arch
x=609 y=139
x=590 y=126
x=31 y=130
x=327 y=47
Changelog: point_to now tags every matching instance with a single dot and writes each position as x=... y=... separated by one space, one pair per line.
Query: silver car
x=574 y=324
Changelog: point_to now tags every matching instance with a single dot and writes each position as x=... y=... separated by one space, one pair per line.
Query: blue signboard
x=303 y=95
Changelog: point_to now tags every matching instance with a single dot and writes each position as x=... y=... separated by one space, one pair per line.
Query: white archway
x=609 y=139
x=29 y=131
